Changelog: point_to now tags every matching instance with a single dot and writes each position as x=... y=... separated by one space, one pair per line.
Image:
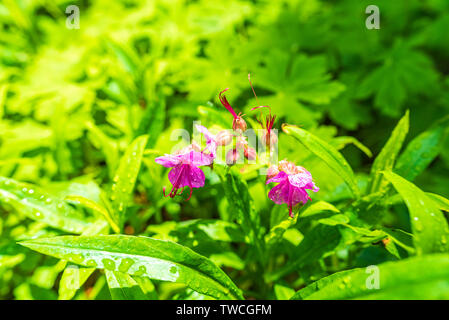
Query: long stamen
x=226 y=104
x=249 y=79
x=190 y=195
x=255 y=95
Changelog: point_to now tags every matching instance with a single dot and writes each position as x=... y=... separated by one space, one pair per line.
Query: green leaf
x=430 y=229
x=327 y=153
x=387 y=156
x=316 y=244
x=420 y=152
x=241 y=207
x=318 y=207
x=342 y=141
x=72 y=279
x=217 y=230
x=39 y=206
x=276 y=233
x=441 y=202
x=125 y=177
x=141 y=256
x=413 y=275
x=97 y=208
x=106 y=144
x=123 y=287
x=153 y=119
x=283 y=292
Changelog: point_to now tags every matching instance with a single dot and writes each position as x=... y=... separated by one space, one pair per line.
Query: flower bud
x=224 y=138
x=269 y=139
x=232 y=157
x=250 y=153
x=241 y=142
x=239 y=124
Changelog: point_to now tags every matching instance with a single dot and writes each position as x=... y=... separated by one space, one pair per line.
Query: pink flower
x=186 y=171
x=186 y=163
x=293 y=183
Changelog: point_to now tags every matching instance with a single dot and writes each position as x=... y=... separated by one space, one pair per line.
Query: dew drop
x=125 y=264
x=91 y=263
x=31 y=191
x=78 y=258
x=141 y=271
x=108 y=264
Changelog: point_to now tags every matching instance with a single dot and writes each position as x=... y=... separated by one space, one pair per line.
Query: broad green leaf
x=395 y=278
x=96 y=207
x=125 y=177
x=327 y=153
x=141 y=256
x=387 y=156
x=123 y=287
x=430 y=229
x=39 y=206
x=420 y=152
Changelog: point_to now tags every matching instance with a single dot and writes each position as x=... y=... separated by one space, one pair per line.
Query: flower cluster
x=293 y=181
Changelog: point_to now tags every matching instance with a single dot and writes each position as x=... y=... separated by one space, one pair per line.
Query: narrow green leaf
x=327 y=153
x=276 y=233
x=395 y=279
x=141 y=256
x=420 y=152
x=125 y=177
x=318 y=207
x=441 y=202
x=342 y=141
x=316 y=244
x=96 y=207
x=430 y=229
x=123 y=287
x=72 y=279
x=283 y=292
x=106 y=144
x=387 y=156
x=39 y=206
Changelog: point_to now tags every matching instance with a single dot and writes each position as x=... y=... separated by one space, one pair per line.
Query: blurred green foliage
x=84 y=110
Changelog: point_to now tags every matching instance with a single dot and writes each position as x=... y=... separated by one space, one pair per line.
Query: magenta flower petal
x=281 y=176
x=211 y=143
x=279 y=193
x=197 y=159
x=168 y=160
x=196 y=177
x=301 y=179
x=178 y=176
